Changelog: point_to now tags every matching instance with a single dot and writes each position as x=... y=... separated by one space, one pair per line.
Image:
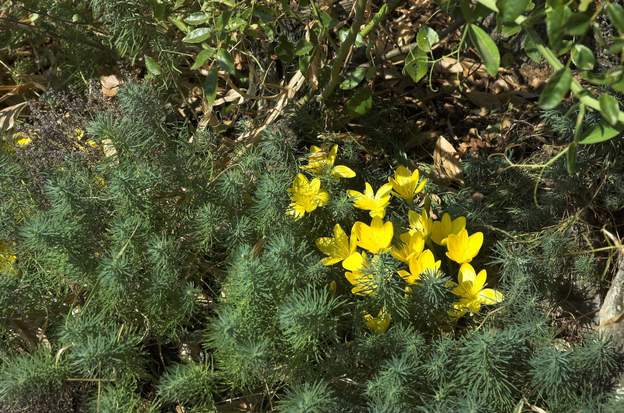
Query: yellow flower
x=363 y=283
x=440 y=230
x=463 y=248
x=420 y=223
x=411 y=245
x=418 y=265
x=79 y=134
x=375 y=238
x=376 y=203
x=7 y=258
x=337 y=248
x=306 y=196
x=379 y=324
x=320 y=161
x=21 y=139
x=471 y=292
x=405 y=183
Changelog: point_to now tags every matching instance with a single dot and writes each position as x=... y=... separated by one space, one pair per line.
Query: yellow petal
x=490 y=296
x=379 y=324
x=341 y=171
x=375 y=238
x=355 y=262
x=466 y=273
x=383 y=191
x=475 y=241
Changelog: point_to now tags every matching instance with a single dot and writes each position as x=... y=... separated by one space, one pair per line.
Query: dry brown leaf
x=110 y=85
x=9 y=114
x=446 y=163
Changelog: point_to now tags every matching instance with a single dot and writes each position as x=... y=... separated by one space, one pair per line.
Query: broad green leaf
x=230 y=3
x=609 y=108
x=202 y=57
x=509 y=10
x=577 y=24
x=583 y=57
x=426 y=38
x=264 y=13
x=556 y=17
x=285 y=50
x=353 y=78
x=195 y=19
x=210 y=86
x=197 y=35
x=486 y=47
x=303 y=47
x=556 y=88
x=616 y=15
x=152 y=66
x=530 y=48
x=361 y=102
x=224 y=58
x=599 y=133
x=416 y=65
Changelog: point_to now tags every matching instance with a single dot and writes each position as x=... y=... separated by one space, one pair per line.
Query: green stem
x=344 y=49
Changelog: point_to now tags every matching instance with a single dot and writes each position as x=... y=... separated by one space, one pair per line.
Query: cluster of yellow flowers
x=414 y=248
x=307 y=195
x=7 y=258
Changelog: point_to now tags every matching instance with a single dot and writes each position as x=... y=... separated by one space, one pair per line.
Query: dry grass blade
x=9 y=114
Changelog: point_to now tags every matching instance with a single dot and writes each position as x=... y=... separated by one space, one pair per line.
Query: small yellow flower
x=411 y=245
x=320 y=161
x=337 y=248
x=363 y=283
x=21 y=139
x=376 y=203
x=99 y=181
x=463 y=248
x=420 y=223
x=91 y=143
x=375 y=238
x=7 y=258
x=306 y=196
x=79 y=134
x=379 y=324
x=471 y=293
x=440 y=230
x=418 y=265
x=405 y=183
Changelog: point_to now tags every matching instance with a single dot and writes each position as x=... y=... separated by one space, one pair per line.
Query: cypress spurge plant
x=172 y=272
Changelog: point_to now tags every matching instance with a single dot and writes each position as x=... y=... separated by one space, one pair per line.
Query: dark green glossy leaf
x=609 y=108
x=426 y=38
x=202 y=57
x=556 y=88
x=209 y=86
x=416 y=65
x=196 y=19
x=285 y=49
x=303 y=47
x=616 y=15
x=509 y=10
x=486 y=47
x=361 y=102
x=353 y=78
x=577 y=24
x=600 y=133
x=582 y=57
x=224 y=58
x=152 y=66
x=197 y=35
